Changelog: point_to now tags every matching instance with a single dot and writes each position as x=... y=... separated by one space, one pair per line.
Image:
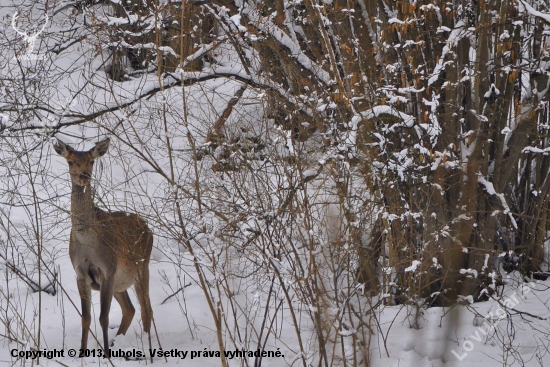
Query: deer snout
x=85 y=176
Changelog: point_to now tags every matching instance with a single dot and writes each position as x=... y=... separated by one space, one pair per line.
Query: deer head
x=30 y=40
x=81 y=163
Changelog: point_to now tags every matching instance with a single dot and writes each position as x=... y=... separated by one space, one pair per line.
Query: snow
x=117 y=21
x=429 y=7
x=475 y=342
x=493 y=90
x=433 y=129
x=504 y=36
x=295 y=49
x=471 y=272
x=395 y=21
x=408 y=121
x=490 y=189
x=4 y=121
x=309 y=173
x=536 y=150
x=459 y=31
x=411 y=90
x=413 y=267
x=236 y=19
x=534 y=12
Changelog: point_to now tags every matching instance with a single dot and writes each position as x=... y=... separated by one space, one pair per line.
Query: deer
x=110 y=251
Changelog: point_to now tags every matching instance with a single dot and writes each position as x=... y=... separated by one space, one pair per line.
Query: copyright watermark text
x=139 y=354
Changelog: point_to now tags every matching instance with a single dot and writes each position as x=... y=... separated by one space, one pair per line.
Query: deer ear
x=100 y=148
x=62 y=149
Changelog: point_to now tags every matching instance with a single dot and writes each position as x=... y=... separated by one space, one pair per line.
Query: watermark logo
x=30 y=40
x=488 y=324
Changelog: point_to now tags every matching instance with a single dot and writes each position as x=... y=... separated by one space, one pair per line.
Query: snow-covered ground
x=445 y=337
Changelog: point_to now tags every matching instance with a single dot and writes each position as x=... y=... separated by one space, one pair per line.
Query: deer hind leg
x=128 y=311
x=142 y=292
x=85 y=293
x=105 y=299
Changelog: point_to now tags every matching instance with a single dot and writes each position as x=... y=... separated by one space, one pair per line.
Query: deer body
x=109 y=251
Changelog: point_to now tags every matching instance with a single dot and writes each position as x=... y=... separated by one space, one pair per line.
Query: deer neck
x=82 y=208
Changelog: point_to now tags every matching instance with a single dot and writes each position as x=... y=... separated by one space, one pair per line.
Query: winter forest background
x=351 y=183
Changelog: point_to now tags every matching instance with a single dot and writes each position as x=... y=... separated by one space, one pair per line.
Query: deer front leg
x=85 y=293
x=105 y=298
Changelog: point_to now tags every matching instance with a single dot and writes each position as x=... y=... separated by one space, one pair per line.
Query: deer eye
x=70 y=163
x=92 y=163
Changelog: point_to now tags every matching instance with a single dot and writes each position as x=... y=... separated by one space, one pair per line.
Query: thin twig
x=176 y=292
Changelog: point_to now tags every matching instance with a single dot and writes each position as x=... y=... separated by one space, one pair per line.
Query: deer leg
x=105 y=299
x=142 y=291
x=128 y=311
x=85 y=293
